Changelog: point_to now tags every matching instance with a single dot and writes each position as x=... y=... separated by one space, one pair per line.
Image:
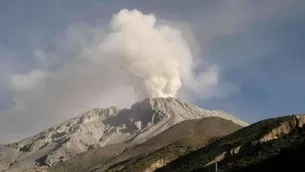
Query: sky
x=247 y=58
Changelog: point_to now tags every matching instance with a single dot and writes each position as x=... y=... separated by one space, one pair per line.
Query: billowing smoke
x=154 y=55
x=133 y=58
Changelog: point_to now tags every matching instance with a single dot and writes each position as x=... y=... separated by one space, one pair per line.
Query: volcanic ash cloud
x=155 y=56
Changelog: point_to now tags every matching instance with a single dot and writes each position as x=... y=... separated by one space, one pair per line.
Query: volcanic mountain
x=170 y=144
x=100 y=128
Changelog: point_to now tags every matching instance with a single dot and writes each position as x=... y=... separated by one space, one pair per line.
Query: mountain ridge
x=102 y=127
x=248 y=146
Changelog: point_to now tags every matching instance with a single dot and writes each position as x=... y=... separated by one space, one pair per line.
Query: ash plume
x=154 y=55
x=132 y=58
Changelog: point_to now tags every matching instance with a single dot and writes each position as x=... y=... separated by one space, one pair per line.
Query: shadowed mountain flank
x=249 y=148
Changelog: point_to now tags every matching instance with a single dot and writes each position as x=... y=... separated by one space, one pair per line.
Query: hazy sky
x=257 y=46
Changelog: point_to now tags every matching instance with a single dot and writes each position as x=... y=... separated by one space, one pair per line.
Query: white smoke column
x=135 y=59
x=155 y=56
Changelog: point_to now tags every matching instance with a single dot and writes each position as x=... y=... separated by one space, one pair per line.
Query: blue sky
x=258 y=46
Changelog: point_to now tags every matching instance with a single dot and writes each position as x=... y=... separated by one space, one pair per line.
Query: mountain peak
x=182 y=109
x=102 y=127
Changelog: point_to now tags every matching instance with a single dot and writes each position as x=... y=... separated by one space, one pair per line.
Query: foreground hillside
x=276 y=144
x=264 y=146
x=286 y=160
x=172 y=143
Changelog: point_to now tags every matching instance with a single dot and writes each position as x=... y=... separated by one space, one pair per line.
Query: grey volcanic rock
x=171 y=143
x=174 y=142
x=7 y=156
x=99 y=128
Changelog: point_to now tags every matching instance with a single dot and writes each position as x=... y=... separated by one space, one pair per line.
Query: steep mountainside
x=292 y=157
x=102 y=127
x=192 y=134
x=187 y=134
x=253 y=148
x=7 y=156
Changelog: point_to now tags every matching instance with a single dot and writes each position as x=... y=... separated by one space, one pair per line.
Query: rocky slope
x=288 y=159
x=188 y=136
x=100 y=128
x=173 y=142
x=258 y=147
x=276 y=144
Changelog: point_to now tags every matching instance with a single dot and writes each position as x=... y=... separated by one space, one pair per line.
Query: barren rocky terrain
x=257 y=147
x=111 y=129
x=156 y=135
